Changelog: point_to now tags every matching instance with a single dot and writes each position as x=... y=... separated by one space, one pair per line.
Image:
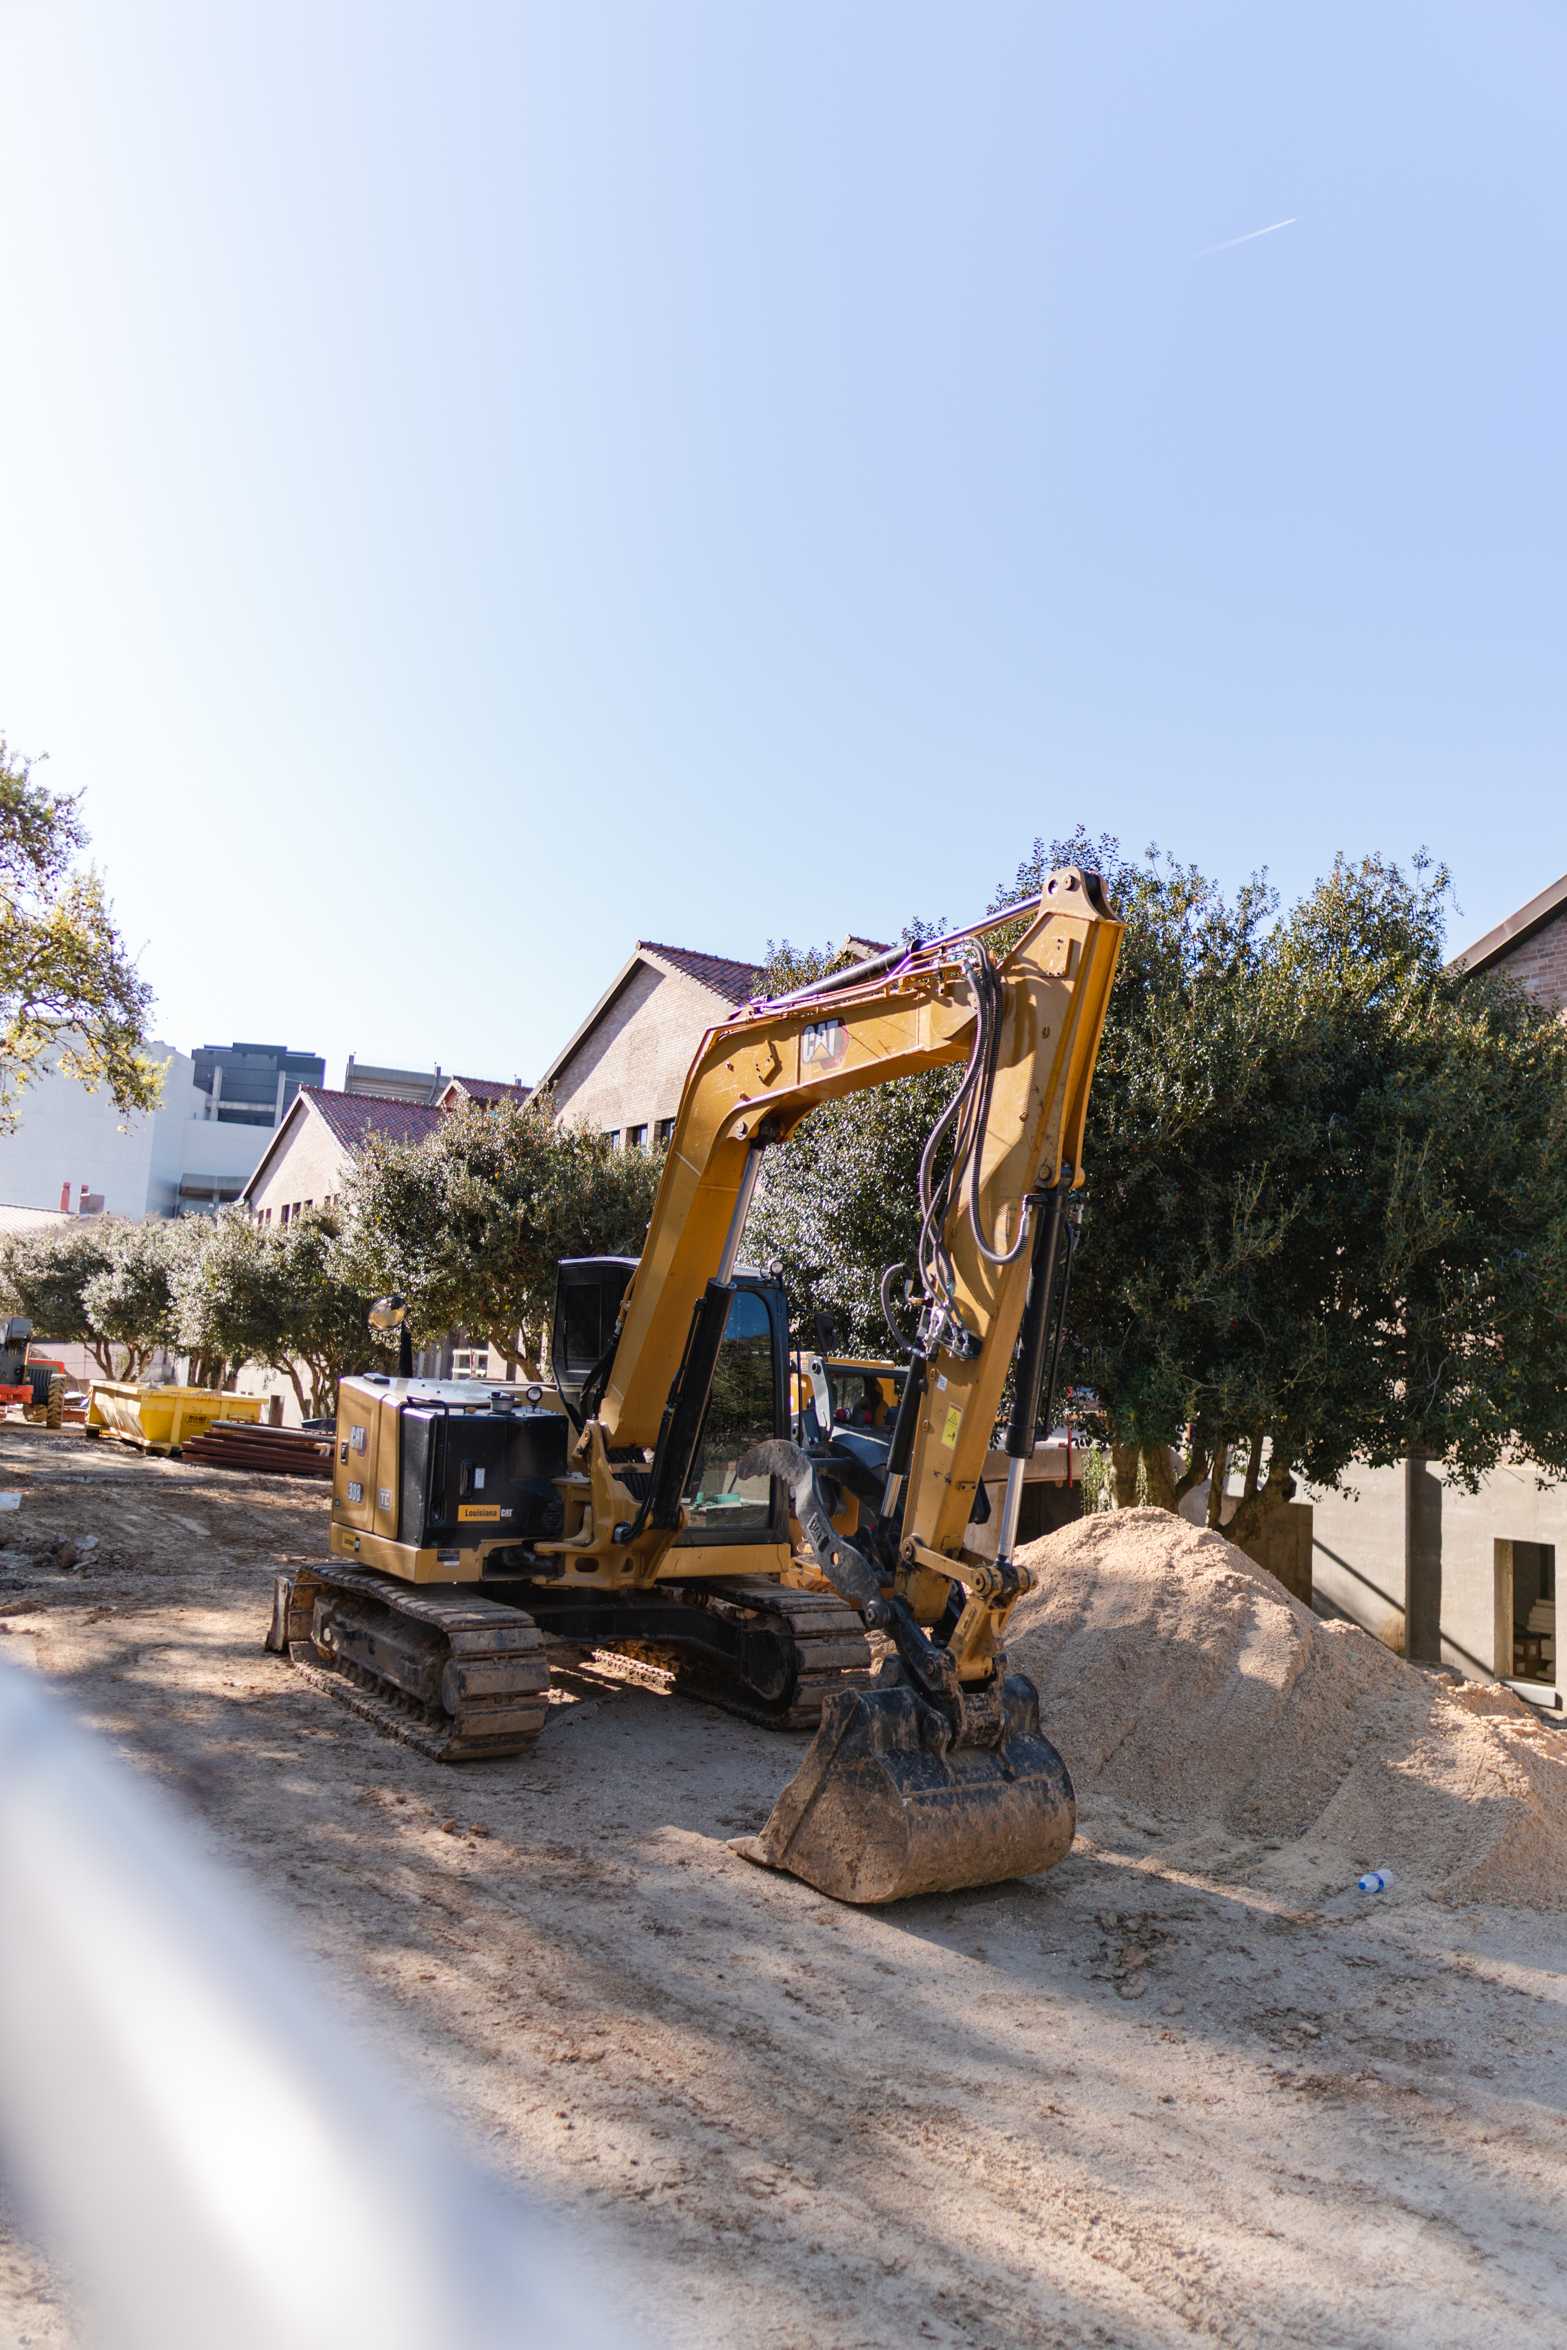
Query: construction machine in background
x=36 y=1382
x=654 y=1500
x=851 y=1403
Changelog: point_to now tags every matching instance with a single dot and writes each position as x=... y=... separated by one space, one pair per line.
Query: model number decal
x=478 y=1512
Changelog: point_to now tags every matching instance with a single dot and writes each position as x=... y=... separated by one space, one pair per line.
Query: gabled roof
x=729 y=981
x=353 y=1117
x=485 y=1089
x=350 y=1118
x=733 y=981
x=1514 y=930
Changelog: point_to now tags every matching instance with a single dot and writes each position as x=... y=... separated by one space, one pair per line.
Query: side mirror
x=388 y=1315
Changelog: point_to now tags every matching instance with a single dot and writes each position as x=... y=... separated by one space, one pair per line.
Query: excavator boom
x=941 y=1778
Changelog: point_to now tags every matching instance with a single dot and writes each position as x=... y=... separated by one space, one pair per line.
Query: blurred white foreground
x=206 y=2148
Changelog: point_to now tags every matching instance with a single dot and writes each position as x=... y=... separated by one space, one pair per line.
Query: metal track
x=827 y=1650
x=458 y=1677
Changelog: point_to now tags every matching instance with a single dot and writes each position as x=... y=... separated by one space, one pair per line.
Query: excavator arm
x=1025 y=1025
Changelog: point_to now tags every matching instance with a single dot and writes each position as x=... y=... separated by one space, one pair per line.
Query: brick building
x=1480 y=1568
x=1529 y=947
x=304 y=1164
x=486 y=1091
x=623 y=1069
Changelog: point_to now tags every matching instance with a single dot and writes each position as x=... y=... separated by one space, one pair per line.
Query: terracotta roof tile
x=353 y=1117
x=735 y=982
x=489 y=1089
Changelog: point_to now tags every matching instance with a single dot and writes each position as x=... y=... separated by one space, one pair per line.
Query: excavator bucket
x=888 y=1802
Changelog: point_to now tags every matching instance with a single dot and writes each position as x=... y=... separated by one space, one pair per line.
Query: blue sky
x=483 y=483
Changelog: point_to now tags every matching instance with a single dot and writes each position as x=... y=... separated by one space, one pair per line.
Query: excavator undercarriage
x=460 y=1674
x=653 y=1504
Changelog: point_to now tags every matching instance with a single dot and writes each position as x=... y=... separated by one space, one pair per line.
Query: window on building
x=285 y=1212
x=636 y=1138
x=666 y=1132
x=1526 y=1610
x=612 y=1137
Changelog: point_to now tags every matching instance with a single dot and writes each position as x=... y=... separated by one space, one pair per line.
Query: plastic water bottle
x=1374 y=1881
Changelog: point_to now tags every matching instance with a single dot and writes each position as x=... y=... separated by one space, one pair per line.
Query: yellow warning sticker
x=486 y=1513
x=949 y=1434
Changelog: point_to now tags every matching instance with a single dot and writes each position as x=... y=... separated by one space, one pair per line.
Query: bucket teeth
x=889 y=1802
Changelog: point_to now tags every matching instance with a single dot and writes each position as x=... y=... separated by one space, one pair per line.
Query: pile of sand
x=1190 y=1693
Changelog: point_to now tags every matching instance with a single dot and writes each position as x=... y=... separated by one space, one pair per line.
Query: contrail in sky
x=1230 y=243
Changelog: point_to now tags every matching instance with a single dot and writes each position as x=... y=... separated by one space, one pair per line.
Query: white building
x=193 y=1152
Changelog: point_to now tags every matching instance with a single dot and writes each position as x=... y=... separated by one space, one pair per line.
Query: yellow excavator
x=654 y=1502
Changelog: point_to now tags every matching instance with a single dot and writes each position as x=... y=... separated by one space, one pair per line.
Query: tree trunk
x=292 y=1370
x=1248 y=1527
x=1422 y=1561
x=1159 y=1476
x=1218 y=1476
x=1123 y=1469
x=1253 y=1466
x=515 y=1353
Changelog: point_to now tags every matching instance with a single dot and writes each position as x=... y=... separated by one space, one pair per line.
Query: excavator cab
x=745 y=1400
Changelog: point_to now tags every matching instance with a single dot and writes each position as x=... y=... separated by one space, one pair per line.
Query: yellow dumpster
x=160 y=1418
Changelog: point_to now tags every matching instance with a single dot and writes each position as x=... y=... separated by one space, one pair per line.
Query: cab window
x=742 y=1410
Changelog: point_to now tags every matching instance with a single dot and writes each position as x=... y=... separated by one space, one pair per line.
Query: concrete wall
x=1358 y=1556
x=190 y=1145
x=629 y=1070
x=1539 y=964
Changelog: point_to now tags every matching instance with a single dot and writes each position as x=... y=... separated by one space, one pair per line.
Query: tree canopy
x=129 y=1302
x=46 y=1273
x=277 y=1295
x=470 y=1223
x=68 y=987
x=1327 y=1189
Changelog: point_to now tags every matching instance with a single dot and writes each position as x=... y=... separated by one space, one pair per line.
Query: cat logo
x=822 y=1046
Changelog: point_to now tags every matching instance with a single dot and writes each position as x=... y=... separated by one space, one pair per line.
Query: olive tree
x=69 y=990
x=1328 y=1191
x=470 y=1222
x=1326 y=1198
x=129 y=1301
x=278 y=1296
x=46 y=1273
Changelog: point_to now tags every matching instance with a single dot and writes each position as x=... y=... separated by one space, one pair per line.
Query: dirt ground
x=1122 y=2104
